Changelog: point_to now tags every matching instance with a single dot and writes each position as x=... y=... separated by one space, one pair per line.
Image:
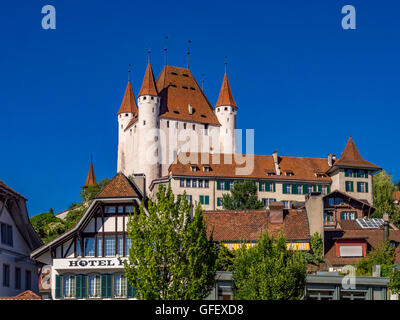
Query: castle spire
x=91 y=179
x=225 y=95
x=128 y=104
x=149 y=84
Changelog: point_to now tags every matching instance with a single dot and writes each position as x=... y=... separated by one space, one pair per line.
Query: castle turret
x=148 y=125
x=225 y=110
x=91 y=179
x=127 y=113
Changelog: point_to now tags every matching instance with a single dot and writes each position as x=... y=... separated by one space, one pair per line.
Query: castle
x=170 y=114
x=172 y=117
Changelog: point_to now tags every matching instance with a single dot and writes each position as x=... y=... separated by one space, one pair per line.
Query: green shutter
x=202 y=199
x=366 y=174
x=284 y=188
x=84 y=286
x=341 y=216
x=366 y=186
x=305 y=189
x=358 y=186
x=207 y=198
x=294 y=189
x=109 y=285
x=78 y=286
x=104 y=286
x=328 y=189
x=273 y=186
x=226 y=185
x=319 y=188
x=352 y=186
x=58 y=286
x=314 y=188
x=130 y=291
x=355 y=215
x=259 y=186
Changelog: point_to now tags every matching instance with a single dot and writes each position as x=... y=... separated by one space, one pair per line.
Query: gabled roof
x=119 y=187
x=148 y=84
x=128 y=104
x=91 y=179
x=225 y=95
x=248 y=225
x=351 y=158
x=178 y=89
x=344 y=194
x=302 y=168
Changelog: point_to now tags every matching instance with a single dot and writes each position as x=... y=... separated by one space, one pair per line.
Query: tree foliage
x=243 y=196
x=225 y=259
x=268 y=271
x=383 y=197
x=382 y=255
x=171 y=256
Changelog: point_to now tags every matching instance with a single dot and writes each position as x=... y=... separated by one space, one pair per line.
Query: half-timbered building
x=87 y=262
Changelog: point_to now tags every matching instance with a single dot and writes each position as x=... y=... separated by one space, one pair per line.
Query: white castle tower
x=225 y=110
x=126 y=114
x=148 y=125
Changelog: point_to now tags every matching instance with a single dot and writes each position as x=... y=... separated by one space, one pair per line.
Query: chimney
x=190 y=109
x=334 y=156
x=330 y=159
x=275 y=157
x=276 y=212
x=386 y=226
x=314 y=206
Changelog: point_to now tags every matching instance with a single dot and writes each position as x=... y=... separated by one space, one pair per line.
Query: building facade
x=87 y=262
x=18 y=272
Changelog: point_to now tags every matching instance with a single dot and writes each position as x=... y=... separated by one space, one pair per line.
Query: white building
x=87 y=262
x=18 y=239
x=171 y=115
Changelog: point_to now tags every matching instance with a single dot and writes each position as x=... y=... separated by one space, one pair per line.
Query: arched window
x=94 y=286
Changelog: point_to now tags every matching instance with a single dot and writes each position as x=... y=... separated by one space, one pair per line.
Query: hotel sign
x=89 y=263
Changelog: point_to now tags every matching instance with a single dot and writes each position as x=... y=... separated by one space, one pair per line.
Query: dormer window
x=270 y=173
x=289 y=173
x=206 y=168
x=194 y=168
x=320 y=175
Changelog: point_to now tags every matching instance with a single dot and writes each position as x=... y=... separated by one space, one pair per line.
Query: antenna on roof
x=129 y=72
x=188 y=52
x=165 y=50
x=226 y=62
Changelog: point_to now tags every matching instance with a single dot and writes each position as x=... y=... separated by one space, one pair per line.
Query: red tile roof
x=178 y=89
x=7 y=189
x=128 y=104
x=302 y=168
x=26 y=295
x=228 y=225
x=148 y=84
x=119 y=187
x=351 y=157
x=225 y=95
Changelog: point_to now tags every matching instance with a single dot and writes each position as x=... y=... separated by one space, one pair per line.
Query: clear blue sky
x=301 y=81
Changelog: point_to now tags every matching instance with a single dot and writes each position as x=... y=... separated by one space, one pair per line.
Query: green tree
x=243 y=196
x=171 y=256
x=383 y=255
x=225 y=258
x=268 y=271
x=41 y=222
x=383 y=197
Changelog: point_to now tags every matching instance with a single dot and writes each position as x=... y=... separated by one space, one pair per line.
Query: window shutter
x=355 y=173
x=355 y=215
x=352 y=186
x=84 y=286
x=104 y=286
x=284 y=188
x=328 y=189
x=294 y=189
x=78 y=286
x=358 y=186
x=260 y=186
x=58 y=286
x=314 y=188
x=366 y=174
x=109 y=285
x=342 y=216
x=207 y=199
x=304 y=189
x=273 y=186
x=130 y=291
x=202 y=199
x=366 y=186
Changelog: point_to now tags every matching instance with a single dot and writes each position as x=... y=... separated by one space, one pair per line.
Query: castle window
x=227 y=119
x=121 y=126
x=206 y=129
x=206 y=184
x=167 y=124
x=184 y=126
x=144 y=98
x=217 y=109
x=362 y=187
x=348 y=173
x=126 y=114
x=349 y=186
x=194 y=127
x=187 y=183
x=182 y=183
x=152 y=98
x=226 y=108
x=153 y=110
x=177 y=125
x=200 y=183
x=194 y=183
x=144 y=122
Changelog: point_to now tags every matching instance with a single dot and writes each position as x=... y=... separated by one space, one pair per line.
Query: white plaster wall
x=227 y=119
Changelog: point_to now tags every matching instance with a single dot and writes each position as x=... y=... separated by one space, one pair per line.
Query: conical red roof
x=149 y=84
x=91 y=179
x=225 y=95
x=128 y=104
x=351 y=157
